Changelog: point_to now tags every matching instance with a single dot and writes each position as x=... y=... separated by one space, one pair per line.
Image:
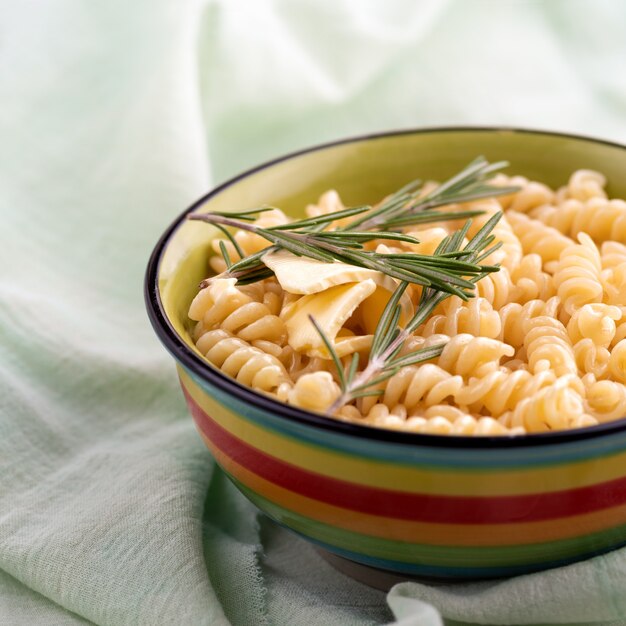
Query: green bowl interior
x=365 y=170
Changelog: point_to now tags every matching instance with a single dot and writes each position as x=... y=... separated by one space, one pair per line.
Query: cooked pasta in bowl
x=418 y=360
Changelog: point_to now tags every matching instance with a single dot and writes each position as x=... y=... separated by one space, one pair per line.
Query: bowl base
x=380 y=578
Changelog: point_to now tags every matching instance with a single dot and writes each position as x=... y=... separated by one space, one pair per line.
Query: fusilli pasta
x=541 y=347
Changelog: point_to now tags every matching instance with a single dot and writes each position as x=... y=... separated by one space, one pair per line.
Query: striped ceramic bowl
x=436 y=506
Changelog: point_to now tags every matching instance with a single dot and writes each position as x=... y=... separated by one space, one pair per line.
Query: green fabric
x=114 y=116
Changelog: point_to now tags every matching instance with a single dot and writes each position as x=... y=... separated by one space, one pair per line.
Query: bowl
x=442 y=507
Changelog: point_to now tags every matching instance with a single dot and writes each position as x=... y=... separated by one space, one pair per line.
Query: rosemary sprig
x=384 y=360
x=403 y=208
x=406 y=207
x=444 y=272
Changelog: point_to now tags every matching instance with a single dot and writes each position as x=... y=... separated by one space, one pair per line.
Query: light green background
x=113 y=117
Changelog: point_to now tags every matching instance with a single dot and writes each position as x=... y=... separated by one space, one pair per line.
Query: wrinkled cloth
x=116 y=115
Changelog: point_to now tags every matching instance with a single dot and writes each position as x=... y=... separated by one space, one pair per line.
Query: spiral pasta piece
x=613 y=275
x=531 y=195
x=243 y=362
x=299 y=364
x=596 y=322
x=612 y=254
x=329 y=202
x=470 y=356
x=537 y=238
x=426 y=384
x=254 y=320
x=269 y=292
x=577 y=277
x=214 y=303
x=475 y=317
x=514 y=316
x=620 y=329
x=531 y=282
x=603 y=220
x=315 y=391
x=583 y=421
x=462 y=425
x=583 y=185
x=617 y=361
x=497 y=288
x=591 y=358
x=500 y=391
x=224 y=305
x=429 y=239
x=482 y=426
x=548 y=346
x=614 y=284
x=560 y=216
x=436 y=420
x=555 y=407
x=605 y=400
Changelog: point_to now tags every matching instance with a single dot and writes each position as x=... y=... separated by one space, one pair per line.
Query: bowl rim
x=177 y=347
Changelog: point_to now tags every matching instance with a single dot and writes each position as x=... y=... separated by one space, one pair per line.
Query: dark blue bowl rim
x=195 y=364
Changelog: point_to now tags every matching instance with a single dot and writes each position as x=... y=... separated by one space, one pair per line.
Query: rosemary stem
x=378 y=363
x=374 y=367
x=227 y=274
x=373 y=221
x=212 y=218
